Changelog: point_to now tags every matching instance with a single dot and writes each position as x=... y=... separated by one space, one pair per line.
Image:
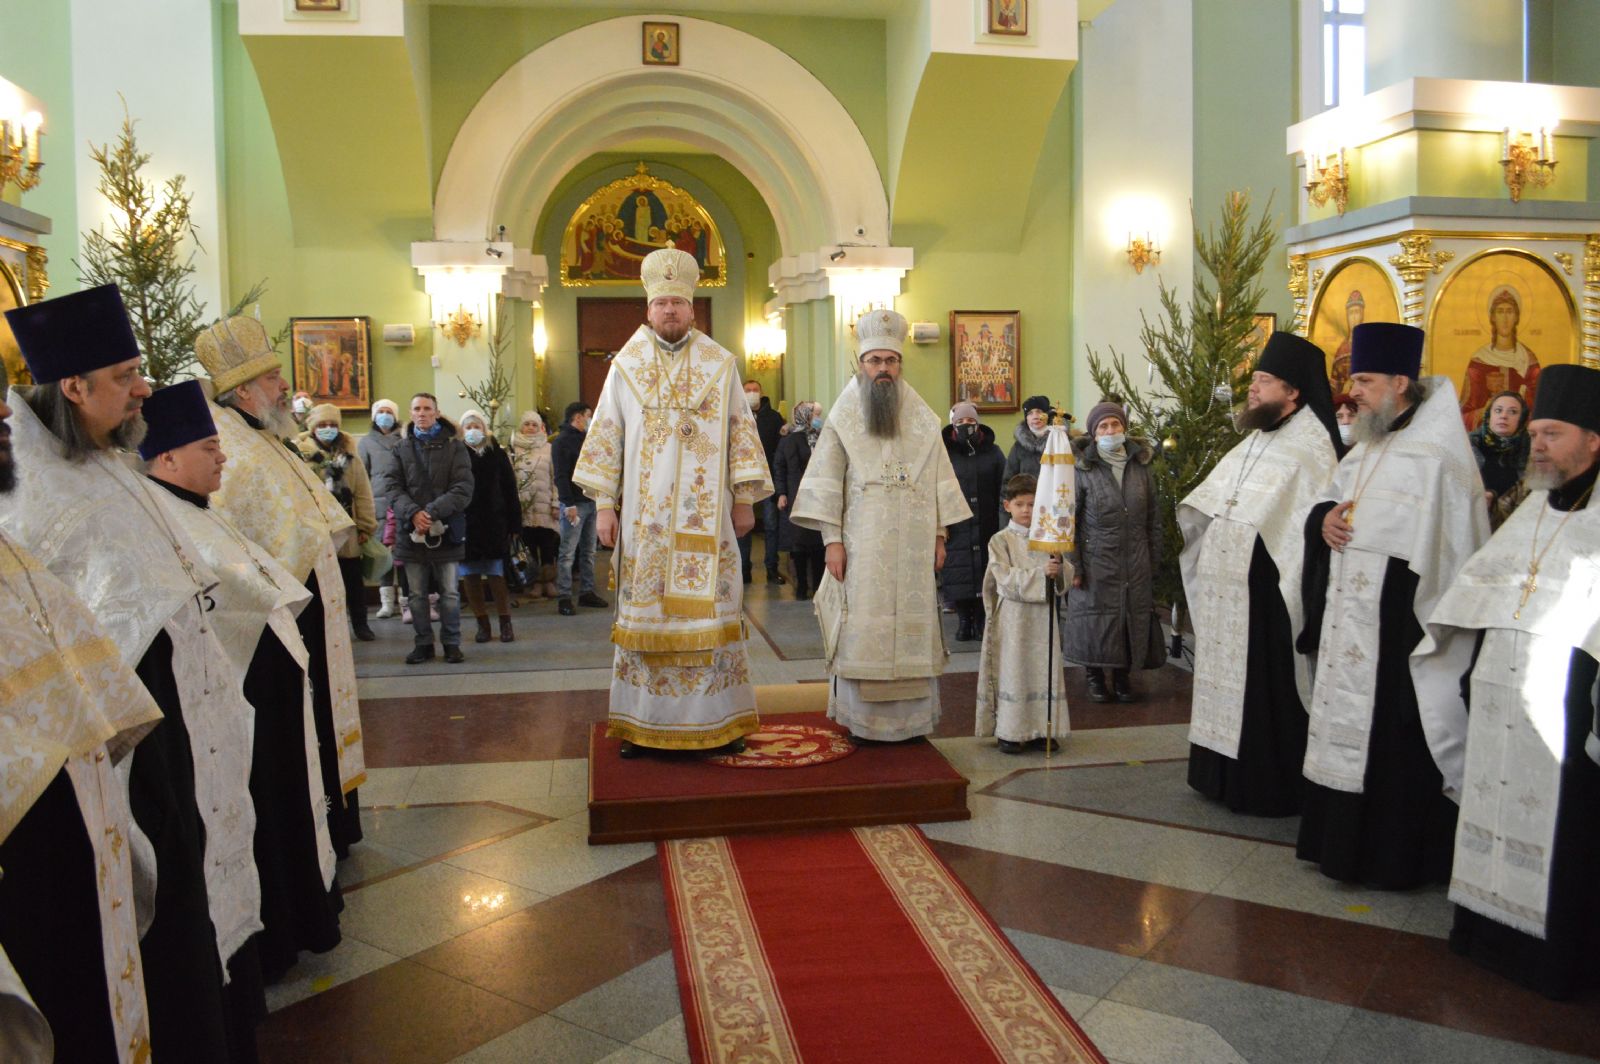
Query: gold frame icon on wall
x=1007 y=18
x=332 y=360
x=319 y=5
x=1354 y=283
x=986 y=359
x=609 y=235
x=659 y=44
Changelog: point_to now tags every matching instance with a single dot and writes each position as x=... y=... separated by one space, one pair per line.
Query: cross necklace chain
x=158 y=518
x=1249 y=464
x=1363 y=484
x=1536 y=554
x=38 y=613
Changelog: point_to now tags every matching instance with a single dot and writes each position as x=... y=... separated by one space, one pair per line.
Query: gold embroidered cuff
x=676 y=642
x=660 y=739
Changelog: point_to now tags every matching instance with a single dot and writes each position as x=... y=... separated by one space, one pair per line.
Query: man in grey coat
x=428 y=482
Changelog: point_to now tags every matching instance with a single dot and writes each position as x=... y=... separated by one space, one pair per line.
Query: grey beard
x=1535 y=480
x=279 y=422
x=1371 y=426
x=1262 y=416
x=128 y=435
x=881 y=407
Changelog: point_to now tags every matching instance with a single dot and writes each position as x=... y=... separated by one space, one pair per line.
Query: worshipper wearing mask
x=429 y=485
x=1525 y=762
x=1500 y=443
x=334 y=457
x=1344 y=413
x=254 y=610
x=541 y=512
x=115 y=540
x=1020 y=697
x=675 y=466
x=788 y=470
x=1029 y=439
x=579 y=518
x=65 y=930
x=1111 y=620
x=881 y=491
x=1241 y=562
x=979 y=467
x=771 y=427
x=1402 y=516
x=375 y=448
x=275 y=499
x=300 y=407
x=493 y=516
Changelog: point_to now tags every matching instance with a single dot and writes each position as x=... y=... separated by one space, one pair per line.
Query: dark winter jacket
x=1026 y=450
x=980 y=468
x=564 y=451
x=433 y=475
x=495 y=512
x=794 y=454
x=1117 y=548
x=769 y=426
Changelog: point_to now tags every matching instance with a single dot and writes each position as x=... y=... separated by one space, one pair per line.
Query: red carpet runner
x=854 y=945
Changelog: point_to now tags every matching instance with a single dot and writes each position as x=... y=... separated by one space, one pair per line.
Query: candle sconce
x=1528 y=160
x=1329 y=181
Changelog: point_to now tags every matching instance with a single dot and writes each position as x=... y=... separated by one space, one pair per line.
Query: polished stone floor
x=480 y=926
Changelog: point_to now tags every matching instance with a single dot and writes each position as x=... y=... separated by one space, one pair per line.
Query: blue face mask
x=384 y=421
x=816 y=423
x=474 y=437
x=328 y=435
x=1111 y=443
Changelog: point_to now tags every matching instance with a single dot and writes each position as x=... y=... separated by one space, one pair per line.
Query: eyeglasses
x=877 y=363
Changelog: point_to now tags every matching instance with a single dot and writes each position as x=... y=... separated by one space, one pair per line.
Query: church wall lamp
x=21 y=127
x=1143 y=251
x=1528 y=159
x=1328 y=180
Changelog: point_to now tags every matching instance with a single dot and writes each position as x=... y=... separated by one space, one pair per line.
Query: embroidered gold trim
x=18 y=682
x=357 y=781
x=682 y=738
x=1060 y=458
x=696 y=609
x=697 y=659
x=676 y=642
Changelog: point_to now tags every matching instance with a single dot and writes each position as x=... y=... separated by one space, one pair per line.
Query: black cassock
x=296 y=912
x=1399 y=832
x=344 y=810
x=1266 y=779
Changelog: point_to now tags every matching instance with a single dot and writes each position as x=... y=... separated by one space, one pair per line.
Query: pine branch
x=490 y=394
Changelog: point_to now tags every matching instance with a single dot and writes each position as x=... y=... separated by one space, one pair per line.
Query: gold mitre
x=669 y=272
x=881 y=330
x=235 y=352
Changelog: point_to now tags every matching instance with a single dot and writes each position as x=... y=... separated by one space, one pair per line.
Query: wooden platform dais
x=664 y=795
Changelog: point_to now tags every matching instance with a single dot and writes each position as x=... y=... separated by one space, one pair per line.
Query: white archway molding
x=734 y=94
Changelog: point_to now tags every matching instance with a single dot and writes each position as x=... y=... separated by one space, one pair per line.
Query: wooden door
x=604 y=325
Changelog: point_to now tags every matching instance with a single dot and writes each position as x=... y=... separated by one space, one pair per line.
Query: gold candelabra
x=1330 y=180
x=1143 y=251
x=461 y=325
x=1527 y=161
x=19 y=150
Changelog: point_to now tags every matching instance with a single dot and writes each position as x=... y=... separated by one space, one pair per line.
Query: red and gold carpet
x=855 y=945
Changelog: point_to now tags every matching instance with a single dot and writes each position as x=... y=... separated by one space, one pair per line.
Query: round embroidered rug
x=788 y=746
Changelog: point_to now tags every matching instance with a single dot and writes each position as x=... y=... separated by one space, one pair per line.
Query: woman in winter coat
x=789 y=463
x=493 y=516
x=376 y=448
x=981 y=471
x=332 y=453
x=541 y=513
x=1030 y=436
x=1111 y=619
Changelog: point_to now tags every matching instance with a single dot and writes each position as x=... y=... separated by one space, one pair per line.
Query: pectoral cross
x=1529 y=586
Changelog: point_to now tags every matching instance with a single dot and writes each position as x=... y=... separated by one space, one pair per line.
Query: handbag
x=376 y=562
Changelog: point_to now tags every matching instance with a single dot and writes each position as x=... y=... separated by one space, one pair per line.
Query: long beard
x=1260 y=416
x=128 y=435
x=278 y=421
x=880 y=402
x=1371 y=426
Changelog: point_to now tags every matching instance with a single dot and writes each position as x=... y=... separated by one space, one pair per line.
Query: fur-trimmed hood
x=1139 y=450
x=1027 y=440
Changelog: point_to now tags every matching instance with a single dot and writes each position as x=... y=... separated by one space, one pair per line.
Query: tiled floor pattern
x=481 y=927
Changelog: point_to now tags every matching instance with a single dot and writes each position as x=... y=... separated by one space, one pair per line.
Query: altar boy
x=1020 y=682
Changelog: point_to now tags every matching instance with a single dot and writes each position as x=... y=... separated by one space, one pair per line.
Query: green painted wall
x=1575 y=42
x=473 y=46
x=1244 y=99
x=36 y=54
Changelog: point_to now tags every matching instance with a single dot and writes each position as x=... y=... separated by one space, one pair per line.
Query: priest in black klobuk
x=1241 y=564
x=271 y=495
x=1402 y=517
x=255 y=619
x=1527 y=845
x=117 y=541
x=71 y=711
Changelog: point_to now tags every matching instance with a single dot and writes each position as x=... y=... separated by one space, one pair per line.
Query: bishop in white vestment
x=1404 y=513
x=672 y=443
x=1527 y=845
x=1243 y=551
x=881 y=491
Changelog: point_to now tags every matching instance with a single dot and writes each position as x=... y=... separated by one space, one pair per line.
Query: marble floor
x=480 y=927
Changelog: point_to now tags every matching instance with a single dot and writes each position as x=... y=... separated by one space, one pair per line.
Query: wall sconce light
x=1143 y=251
x=1527 y=161
x=19 y=140
x=1329 y=179
x=461 y=325
x=763 y=347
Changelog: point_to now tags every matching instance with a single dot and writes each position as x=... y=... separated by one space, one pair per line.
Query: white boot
x=386 y=595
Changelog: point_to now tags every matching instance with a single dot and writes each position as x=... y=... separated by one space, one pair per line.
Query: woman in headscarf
x=1030 y=435
x=1500 y=444
x=541 y=513
x=493 y=516
x=789 y=463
